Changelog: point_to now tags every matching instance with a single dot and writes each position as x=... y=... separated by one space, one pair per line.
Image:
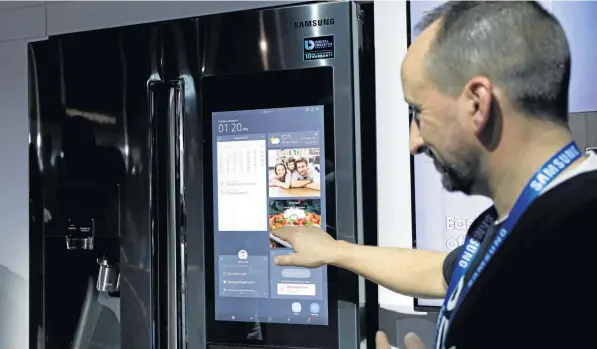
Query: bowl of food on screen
x=294 y=218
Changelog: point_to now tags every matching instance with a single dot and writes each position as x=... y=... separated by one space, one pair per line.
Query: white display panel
x=242 y=188
x=394 y=218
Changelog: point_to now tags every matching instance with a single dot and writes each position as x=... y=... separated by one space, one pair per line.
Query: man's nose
x=416 y=143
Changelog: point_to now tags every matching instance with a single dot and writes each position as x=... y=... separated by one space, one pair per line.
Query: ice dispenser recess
x=89 y=220
x=85 y=214
x=80 y=235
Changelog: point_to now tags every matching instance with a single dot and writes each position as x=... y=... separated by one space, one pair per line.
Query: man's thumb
x=412 y=341
x=282 y=233
x=382 y=341
x=286 y=259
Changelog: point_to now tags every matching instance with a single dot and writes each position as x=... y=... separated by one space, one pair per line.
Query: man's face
x=302 y=168
x=438 y=122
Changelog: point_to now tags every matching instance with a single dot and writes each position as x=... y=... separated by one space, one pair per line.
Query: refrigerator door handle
x=159 y=115
x=153 y=92
x=176 y=214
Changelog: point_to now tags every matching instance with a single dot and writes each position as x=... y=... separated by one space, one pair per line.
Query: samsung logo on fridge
x=324 y=22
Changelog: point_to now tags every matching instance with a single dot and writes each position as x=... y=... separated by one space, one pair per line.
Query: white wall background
x=16 y=26
x=394 y=210
x=14 y=189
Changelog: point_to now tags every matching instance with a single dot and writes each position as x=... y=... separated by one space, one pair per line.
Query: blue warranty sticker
x=318 y=47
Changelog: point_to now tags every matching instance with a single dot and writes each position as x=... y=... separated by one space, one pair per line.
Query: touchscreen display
x=268 y=173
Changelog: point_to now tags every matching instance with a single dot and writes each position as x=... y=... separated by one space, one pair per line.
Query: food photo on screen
x=292 y=213
x=294 y=172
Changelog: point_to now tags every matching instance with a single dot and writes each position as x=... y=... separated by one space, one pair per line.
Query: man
x=487 y=83
x=303 y=177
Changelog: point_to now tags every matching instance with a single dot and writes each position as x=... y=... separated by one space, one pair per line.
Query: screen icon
x=274 y=140
x=296 y=307
x=314 y=308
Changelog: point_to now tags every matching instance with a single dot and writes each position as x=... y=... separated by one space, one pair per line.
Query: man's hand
x=313 y=247
x=381 y=341
x=411 y=341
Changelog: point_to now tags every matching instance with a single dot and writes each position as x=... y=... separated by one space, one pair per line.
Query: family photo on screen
x=294 y=173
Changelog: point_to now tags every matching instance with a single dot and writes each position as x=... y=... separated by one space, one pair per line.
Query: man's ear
x=479 y=97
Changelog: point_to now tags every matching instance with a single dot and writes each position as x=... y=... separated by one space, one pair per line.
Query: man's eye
x=413 y=114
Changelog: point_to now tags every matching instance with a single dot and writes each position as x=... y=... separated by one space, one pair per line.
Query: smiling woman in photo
x=280 y=177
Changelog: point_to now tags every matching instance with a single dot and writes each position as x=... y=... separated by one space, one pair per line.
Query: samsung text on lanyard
x=457 y=289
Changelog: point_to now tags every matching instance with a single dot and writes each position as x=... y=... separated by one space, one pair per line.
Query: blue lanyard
x=457 y=289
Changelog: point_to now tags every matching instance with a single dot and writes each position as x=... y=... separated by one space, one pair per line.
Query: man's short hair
x=518 y=45
x=303 y=160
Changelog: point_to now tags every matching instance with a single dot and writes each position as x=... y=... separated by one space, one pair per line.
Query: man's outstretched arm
x=417 y=273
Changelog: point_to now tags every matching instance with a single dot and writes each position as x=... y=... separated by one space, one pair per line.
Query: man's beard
x=459 y=177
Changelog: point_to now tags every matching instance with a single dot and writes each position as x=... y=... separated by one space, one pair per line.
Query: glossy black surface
x=90 y=123
x=117 y=113
x=187 y=54
x=368 y=126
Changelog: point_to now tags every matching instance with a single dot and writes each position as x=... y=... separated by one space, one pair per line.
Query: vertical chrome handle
x=167 y=212
x=175 y=203
x=155 y=90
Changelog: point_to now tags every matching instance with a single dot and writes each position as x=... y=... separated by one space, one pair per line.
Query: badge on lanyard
x=458 y=288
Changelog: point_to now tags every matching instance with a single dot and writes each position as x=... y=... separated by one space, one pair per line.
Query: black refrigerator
x=162 y=155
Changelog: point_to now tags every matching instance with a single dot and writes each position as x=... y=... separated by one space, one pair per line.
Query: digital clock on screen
x=231 y=127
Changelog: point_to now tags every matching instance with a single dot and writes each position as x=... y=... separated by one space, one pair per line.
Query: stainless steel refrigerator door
x=273 y=40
